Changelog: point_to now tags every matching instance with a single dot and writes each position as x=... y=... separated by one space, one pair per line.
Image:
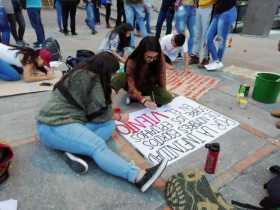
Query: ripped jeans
x=220 y=27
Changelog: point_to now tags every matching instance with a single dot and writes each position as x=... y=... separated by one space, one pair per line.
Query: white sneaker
x=214 y=66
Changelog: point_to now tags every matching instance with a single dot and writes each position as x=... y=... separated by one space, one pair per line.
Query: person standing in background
x=57 y=6
x=148 y=12
x=90 y=16
x=224 y=15
x=18 y=32
x=69 y=7
x=135 y=12
x=108 y=5
x=96 y=5
x=185 y=19
x=34 y=13
x=167 y=11
x=202 y=21
x=4 y=25
x=120 y=13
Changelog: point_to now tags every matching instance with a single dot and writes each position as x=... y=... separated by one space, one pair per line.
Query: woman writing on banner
x=145 y=75
x=78 y=119
x=118 y=41
x=32 y=65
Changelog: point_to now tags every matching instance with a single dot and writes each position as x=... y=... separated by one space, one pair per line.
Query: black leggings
x=69 y=8
x=108 y=13
x=14 y=19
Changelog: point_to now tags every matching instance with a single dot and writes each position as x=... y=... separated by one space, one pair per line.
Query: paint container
x=244 y=88
x=212 y=157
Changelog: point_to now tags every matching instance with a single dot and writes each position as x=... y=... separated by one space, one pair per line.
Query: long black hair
x=149 y=43
x=121 y=30
x=104 y=65
x=29 y=57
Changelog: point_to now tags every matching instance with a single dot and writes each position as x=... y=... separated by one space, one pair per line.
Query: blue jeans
x=34 y=15
x=185 y=18
x=4 y=27
x=90 y=140
x=148 y=12
x=202 y=21
x=58 y=14
x=7 y=72
x=220 y=26
x=137 y=12
x=90 y=16
x=164 y=14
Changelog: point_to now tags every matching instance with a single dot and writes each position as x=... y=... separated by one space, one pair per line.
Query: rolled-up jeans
x=90 y=140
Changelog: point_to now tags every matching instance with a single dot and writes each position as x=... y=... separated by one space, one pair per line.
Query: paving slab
x=248 y=187
x=253 y=115
x=40 y=179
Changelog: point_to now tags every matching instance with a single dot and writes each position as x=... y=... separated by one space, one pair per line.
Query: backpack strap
x=246 y=205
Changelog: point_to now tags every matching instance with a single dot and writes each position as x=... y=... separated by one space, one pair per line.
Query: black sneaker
x=93 y=32
x=74 y=33
x=151 y=175
x=77 y=164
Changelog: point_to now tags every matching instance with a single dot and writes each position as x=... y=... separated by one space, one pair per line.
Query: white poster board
x=174 y=130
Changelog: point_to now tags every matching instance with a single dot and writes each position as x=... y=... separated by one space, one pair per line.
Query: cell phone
x=45 y=84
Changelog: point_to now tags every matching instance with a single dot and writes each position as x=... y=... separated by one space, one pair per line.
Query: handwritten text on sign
x=174 y=130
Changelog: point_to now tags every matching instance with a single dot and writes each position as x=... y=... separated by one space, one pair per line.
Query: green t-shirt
x=86 y=89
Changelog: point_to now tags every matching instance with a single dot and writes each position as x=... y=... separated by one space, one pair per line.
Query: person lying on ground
x=78 y=120
x=145 y=75
x=32 y=65
x=118 y=41
x=171 y=46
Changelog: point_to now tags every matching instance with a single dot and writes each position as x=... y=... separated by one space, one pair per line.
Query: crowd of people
x=205 y=23
x=79 y=118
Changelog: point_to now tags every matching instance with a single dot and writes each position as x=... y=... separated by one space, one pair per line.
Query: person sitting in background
x=145 y=75
x=171 y=46
x=224 y=15
x=118 y=41
x=33 y=65
x=78 y=119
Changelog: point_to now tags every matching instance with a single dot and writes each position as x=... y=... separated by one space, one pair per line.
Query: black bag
x=82 y=56
x=272 y=201
x=53 y=47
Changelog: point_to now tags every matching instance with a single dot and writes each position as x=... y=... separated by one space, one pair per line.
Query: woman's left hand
x=124 y=117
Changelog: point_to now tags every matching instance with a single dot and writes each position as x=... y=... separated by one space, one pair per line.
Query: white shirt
x=167 y=47
x=10 y=56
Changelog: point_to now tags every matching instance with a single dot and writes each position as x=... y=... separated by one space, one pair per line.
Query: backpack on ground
x=191 y=191
x=82 y=56
x=53 y=47
x=272 y=201
x=6 y=155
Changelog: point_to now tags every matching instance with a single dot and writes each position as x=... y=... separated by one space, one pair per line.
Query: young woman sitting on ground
x=118 y=41
x=32 y=65
x=145 y=75
x=78 y=120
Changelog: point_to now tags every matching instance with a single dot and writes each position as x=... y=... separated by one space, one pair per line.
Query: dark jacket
x=168 y=5
x=222 y=6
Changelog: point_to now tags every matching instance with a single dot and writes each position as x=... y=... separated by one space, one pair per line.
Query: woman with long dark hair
x=78 y=120
x=33 y=65
x=145 y=75
x=118 y=41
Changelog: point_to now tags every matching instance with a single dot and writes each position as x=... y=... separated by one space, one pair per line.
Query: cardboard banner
x=174 y=130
